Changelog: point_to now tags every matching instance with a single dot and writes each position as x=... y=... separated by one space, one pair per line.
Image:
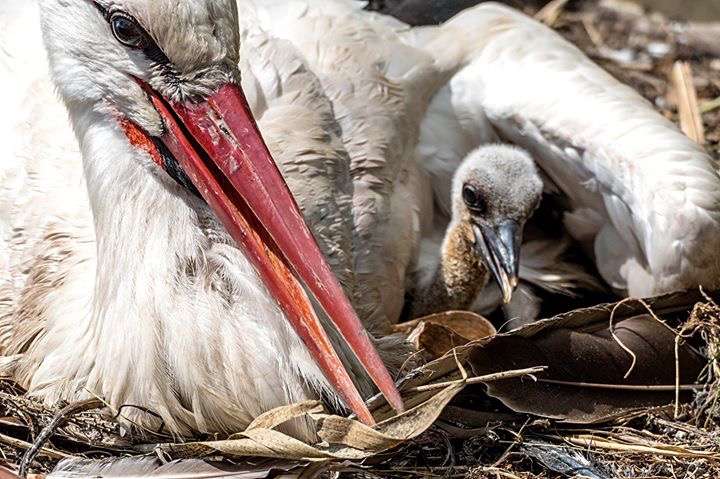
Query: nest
x=528 y=403
x=480 y=407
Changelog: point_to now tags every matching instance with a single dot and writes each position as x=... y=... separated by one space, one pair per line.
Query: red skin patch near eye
x=139 y=139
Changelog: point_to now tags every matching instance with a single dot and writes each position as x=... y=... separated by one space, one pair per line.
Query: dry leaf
x=357 y=440
x=437 y=340
x=278 y=416
x=439 y=333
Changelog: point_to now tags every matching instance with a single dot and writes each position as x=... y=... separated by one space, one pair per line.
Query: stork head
x=166 y=72
x=496 y=189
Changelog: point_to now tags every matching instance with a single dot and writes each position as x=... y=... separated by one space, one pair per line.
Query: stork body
x=118 y=280
x=377 y=98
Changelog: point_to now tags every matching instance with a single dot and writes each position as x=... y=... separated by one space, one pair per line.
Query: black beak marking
x=499 y=246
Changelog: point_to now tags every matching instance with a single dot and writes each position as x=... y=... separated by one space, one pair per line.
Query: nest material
x=479 y=437
x=642 y=49
x=464 y=422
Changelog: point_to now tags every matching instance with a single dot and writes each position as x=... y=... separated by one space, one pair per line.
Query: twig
x=482 y=379
x=519 y=439
x=60 y=418
x=710 y=105
x=551 y=12
x=593 y=33
x=617 y=339
x=629 y=387
x=688 y=109
x=591 y=441
x=678 y=337
x=463 y=373
x=498 y=472
x=44 y=451
x=677 y=376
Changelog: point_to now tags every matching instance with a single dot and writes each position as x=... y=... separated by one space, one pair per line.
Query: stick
x=482 y=379
x=615 y=337
x=710 y=105
x=590 y=442
x=629 y=387
x=551 y=12
x=43 y=451
x=61 y=417
x=690 y=120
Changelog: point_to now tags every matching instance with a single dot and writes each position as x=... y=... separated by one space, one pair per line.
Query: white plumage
x=118 y=283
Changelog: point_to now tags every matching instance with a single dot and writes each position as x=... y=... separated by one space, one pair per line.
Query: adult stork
x=157 y=258
x=645 y=199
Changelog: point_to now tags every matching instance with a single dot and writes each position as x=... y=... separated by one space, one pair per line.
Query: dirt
x=640 y=48
x=694 y=10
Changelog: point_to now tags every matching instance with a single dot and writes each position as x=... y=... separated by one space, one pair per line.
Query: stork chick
x=495 y=190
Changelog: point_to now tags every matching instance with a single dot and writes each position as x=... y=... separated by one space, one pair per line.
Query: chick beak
x=499 y=247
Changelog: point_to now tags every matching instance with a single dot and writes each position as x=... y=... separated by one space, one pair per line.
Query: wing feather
x=378 y=88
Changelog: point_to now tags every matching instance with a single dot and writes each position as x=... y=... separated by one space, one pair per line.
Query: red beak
x=218 y=145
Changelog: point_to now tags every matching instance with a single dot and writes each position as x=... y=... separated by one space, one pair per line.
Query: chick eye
x=473 y=199
x=127 y=31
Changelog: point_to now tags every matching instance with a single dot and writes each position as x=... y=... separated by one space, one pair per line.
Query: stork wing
x=647 y=198
x=45 y=217
x=282 y=90
x=378 y=87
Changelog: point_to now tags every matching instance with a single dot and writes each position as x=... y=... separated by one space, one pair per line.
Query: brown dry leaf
x=357 y=441
x=437 y=340
x=439 y=333
x=578 y=347
x=465 y=323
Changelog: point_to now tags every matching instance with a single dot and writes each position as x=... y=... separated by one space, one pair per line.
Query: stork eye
x=127 y=31
x=473 y=199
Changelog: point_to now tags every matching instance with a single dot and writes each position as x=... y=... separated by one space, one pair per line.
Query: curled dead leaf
x=356 y=440
x=439 y=333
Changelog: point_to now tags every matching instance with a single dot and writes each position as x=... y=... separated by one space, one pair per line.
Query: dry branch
x=690 y=120
x=550 y=13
